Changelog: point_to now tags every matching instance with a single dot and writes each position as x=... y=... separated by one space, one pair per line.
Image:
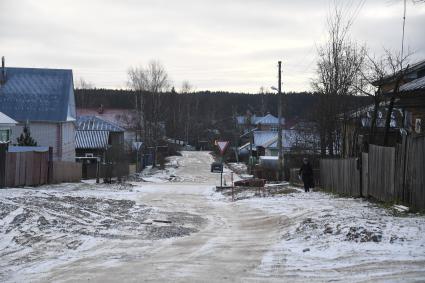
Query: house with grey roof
x=407 y=115
x=124 y=118
x=260 y=123
x=411 y=99
x=95 y=135
x=294 y=140
x=44 y=99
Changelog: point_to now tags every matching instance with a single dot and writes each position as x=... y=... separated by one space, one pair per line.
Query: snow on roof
x=414 y=85
x=120 y=117
x=93 y=123
x=269 y=157
x=262 y=137
x=294 y=138
x=409 y=72
x=269 y=119
x=6 y=120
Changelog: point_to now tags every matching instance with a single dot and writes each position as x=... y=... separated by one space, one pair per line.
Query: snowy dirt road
x=202 y=236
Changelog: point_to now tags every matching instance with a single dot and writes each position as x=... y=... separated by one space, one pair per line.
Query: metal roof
x=414 y=85
x=269 y=119
x=6 y=120
x=290 y=138
x=262 y=137
x=91 y=139
x=409 y=72
x=37 y=94
x=93 y=123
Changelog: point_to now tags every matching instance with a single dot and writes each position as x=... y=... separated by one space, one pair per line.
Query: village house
x=299 y=139
x=258 y=123
x=94 y=136
x=44 y=100
x=100 y=148
x=123 y=118
x=357 y=128
x=411 y=99
x=410 y=96
x=407 y=115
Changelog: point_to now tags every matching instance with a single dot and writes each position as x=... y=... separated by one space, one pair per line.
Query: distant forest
x=192 y=116
x=224 y=104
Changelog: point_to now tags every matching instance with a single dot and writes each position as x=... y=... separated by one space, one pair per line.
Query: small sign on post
x=222 y=145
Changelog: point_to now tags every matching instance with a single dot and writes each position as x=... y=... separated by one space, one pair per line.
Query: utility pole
x=279 y=127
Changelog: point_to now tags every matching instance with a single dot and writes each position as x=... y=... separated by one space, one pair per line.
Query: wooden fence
x=340 y=176
x=387 y=174
x=18 y=169
x=66 y=172
x=381 y=172
x=410 y=180
x=26 y=169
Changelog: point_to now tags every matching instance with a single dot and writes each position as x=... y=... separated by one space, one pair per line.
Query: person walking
x=306 y=175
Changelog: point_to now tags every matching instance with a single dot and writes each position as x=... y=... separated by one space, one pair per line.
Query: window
x=274 y=128
x=4 y=135
x=418 y=126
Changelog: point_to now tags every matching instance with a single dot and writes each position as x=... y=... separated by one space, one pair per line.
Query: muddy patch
x=44 y=225
x=241 y=193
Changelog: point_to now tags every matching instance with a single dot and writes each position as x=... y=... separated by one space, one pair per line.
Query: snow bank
x=326 y=237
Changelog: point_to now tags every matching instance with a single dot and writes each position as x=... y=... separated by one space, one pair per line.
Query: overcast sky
x=215 y=44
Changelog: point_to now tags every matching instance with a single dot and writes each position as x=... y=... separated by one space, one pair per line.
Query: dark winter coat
x=306 y=172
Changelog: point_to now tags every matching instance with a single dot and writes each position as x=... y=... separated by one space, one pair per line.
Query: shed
x=94 y=135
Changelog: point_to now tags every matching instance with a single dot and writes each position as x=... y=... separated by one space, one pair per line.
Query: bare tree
x=262 y=93
x=382 y=75
x=81 y=83
x=151 y=80
x=338 y=67
x=187 y=88
x=397 y=71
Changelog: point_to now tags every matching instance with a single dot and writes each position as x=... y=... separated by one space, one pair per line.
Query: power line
x=402 y=37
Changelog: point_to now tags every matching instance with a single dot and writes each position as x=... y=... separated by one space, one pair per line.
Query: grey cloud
x=215 y=44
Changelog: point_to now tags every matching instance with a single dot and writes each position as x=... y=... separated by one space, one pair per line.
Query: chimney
x=3 y=71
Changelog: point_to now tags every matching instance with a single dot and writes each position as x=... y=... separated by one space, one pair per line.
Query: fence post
x=360 y=169
x=50 y=166
x=3 y=148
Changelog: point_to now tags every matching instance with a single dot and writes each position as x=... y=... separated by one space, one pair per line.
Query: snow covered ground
x=45 y=227
x=171 y=225
x=331 y=238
